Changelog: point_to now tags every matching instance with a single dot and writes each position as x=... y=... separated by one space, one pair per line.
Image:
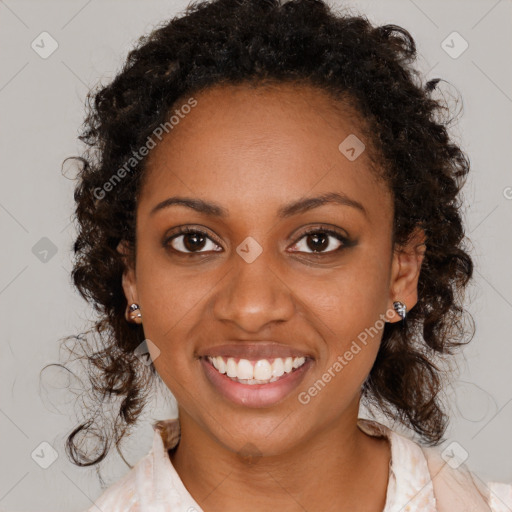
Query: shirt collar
x=409 y=487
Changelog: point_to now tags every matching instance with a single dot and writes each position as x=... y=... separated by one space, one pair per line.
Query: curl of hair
x=263 y=42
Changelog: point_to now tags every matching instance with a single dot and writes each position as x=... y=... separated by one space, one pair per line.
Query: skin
x=253 y=151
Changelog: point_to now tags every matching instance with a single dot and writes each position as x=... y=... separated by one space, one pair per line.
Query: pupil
x=322 y=245
x=195 y=245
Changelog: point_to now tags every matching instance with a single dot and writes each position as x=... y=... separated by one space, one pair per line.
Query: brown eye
x=320 y=241
x=191 y=241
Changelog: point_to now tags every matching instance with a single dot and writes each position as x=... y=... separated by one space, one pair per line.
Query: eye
x=190 y=241
x=321 y=241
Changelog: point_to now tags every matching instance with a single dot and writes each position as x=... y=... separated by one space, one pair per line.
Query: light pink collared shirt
x=420 y=480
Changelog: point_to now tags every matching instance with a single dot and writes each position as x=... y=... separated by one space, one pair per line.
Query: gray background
x=41 y=109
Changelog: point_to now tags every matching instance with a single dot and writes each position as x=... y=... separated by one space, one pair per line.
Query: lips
x=254 y=374
x=253 y=351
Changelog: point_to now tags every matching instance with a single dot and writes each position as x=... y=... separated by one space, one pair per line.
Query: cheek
x=171 y=302
x=348 y=309
x=351 y=297
x=170 y=295
x=351 y=338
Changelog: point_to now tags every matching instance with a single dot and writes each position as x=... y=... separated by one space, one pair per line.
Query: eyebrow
x=294 y=208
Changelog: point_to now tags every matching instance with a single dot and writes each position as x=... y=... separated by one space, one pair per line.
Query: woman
x=269 y=221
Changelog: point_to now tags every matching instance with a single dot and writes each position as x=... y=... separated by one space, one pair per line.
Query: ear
x=405 y=272
x=128 y=278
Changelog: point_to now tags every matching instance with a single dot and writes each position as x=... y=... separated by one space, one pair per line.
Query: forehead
x=261 y=147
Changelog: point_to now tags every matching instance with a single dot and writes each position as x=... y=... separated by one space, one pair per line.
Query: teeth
x=261 y=372
x=221 y=366
x=245 y=370
x=231 y=368
x=298 y=361
x=277 y=367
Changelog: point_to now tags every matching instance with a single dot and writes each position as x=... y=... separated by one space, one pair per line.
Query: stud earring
x=400 y=308
x=134 y=313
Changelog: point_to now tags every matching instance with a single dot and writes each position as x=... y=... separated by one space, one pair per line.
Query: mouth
x=253 y=372
x=254 y=381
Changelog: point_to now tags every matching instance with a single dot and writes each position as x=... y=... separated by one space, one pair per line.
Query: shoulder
x=122 y=496
x=153 y=483
x=134 y=490
x=428 y=479
x=460 y=489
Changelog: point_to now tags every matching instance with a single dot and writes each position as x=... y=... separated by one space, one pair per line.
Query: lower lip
x=255 y=395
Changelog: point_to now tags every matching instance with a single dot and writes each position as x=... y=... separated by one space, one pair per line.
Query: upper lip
x=253 y=350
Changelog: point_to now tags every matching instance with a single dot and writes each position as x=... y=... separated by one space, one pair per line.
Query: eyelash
x=345 y=242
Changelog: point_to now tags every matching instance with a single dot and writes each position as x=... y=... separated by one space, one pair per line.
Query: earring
x=400 y=308
x=134 y=312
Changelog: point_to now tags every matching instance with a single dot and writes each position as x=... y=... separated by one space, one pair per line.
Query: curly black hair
x=260 y=42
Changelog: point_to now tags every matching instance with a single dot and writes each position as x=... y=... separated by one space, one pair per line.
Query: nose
x=253 y=295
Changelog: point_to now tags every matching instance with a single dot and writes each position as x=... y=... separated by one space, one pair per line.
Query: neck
x=333 y=469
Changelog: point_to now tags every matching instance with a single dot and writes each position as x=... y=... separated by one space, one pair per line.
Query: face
x=269 y=294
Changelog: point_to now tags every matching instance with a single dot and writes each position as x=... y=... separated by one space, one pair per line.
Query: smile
x=261 y=371
x=255 y=382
